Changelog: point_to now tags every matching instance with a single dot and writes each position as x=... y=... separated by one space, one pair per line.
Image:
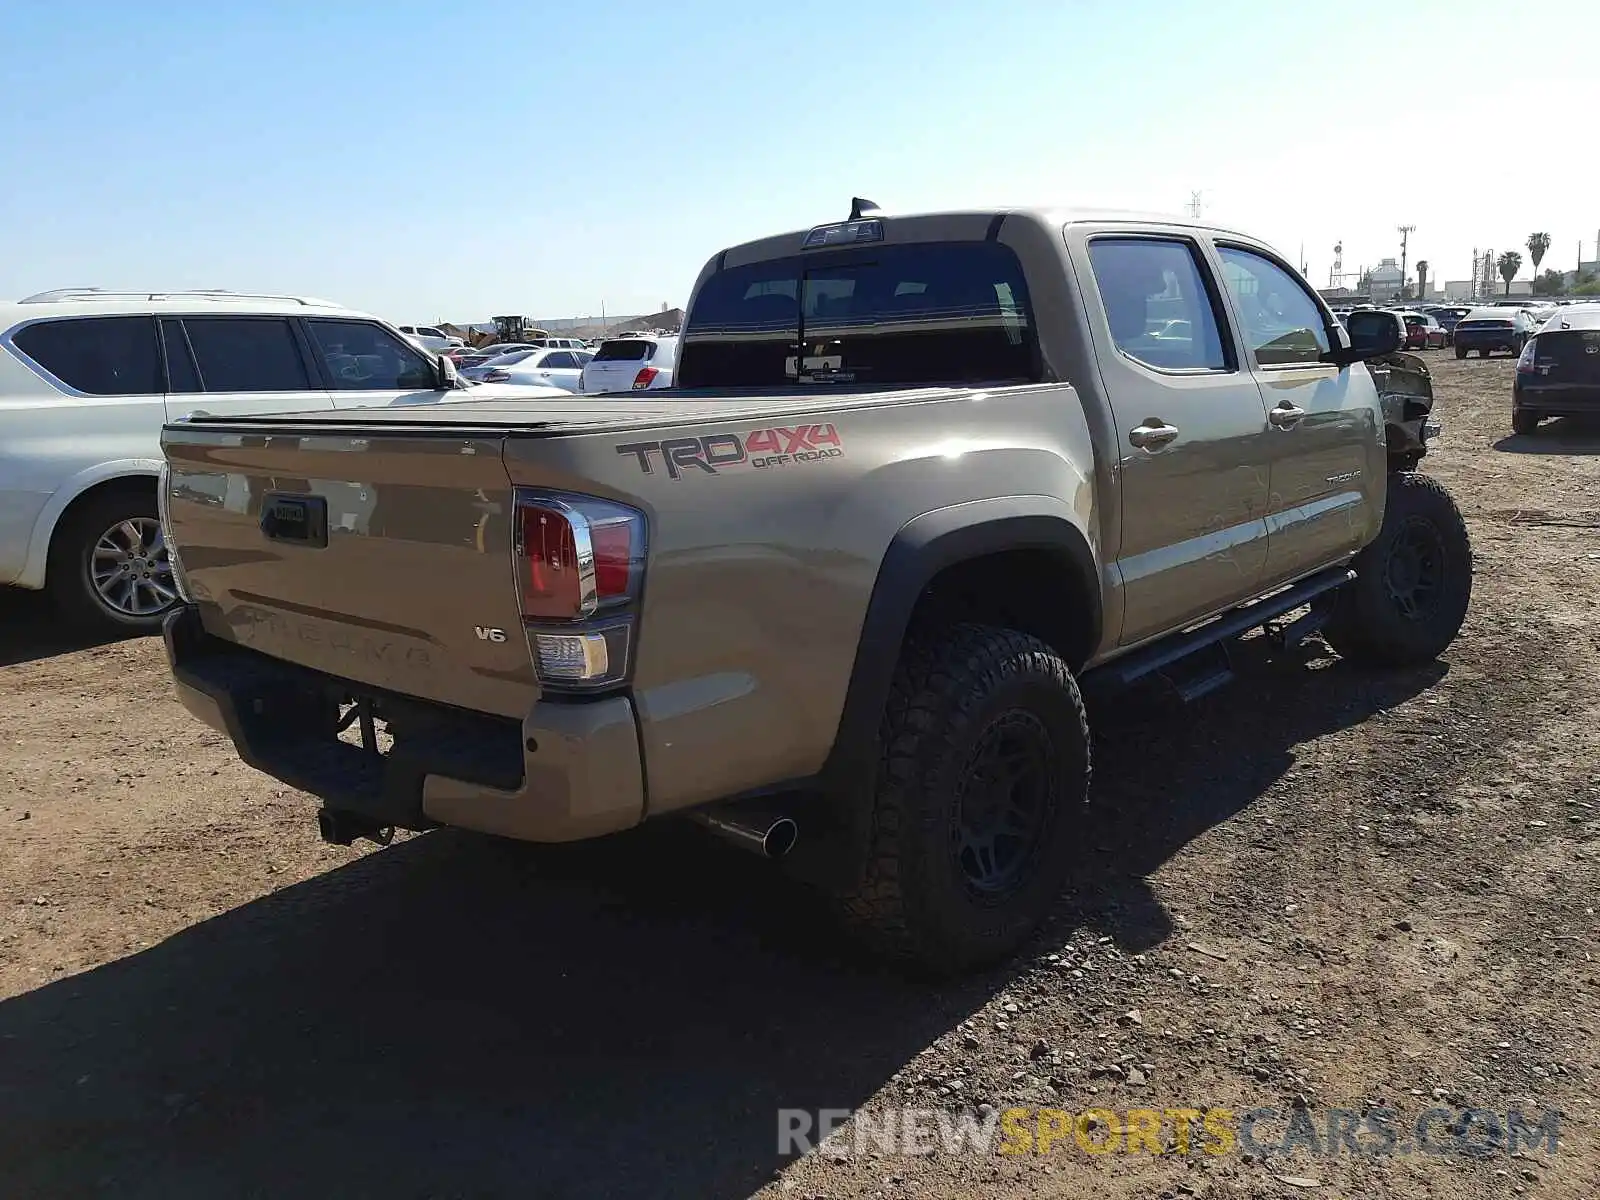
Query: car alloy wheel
x=1005 y=805
x=1413 y=569
x=129 y=569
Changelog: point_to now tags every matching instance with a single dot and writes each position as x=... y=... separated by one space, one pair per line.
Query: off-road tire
x=1368 y=624
x=954 y=690
x=1524 y=423
x=1461 y=351
x=67 y=571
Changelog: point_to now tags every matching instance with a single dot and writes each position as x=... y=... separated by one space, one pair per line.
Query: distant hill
x=671 y=319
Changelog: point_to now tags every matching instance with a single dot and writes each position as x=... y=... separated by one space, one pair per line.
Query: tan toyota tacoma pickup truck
x=834 y=592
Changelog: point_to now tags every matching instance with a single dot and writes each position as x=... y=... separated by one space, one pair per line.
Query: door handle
x=1286 y=415
x=1152 y=435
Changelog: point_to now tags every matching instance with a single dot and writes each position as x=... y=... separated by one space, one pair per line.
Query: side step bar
x=1169 y=651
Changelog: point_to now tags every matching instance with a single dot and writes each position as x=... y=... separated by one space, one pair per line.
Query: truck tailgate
x=378 y=557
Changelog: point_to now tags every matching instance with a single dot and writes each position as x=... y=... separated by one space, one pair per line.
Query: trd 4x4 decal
x=716 y=452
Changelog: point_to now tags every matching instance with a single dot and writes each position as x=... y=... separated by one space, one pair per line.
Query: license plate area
x=297 y=520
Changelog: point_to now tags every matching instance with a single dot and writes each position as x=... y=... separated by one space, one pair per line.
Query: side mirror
x=449 y=379
x=1373 y=334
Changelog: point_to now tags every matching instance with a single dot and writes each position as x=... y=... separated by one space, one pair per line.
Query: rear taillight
x=580 y=564
x=645 y=377
x=1525 y=359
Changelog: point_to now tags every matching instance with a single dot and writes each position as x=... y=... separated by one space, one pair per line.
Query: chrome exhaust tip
x=768 y=836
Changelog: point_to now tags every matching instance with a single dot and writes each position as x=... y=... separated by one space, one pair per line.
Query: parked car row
x=636 y=363
x=1486 y=328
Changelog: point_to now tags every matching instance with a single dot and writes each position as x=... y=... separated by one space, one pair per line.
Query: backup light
x=580 y=566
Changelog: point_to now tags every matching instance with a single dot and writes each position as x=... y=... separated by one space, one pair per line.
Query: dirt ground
x=1319 y=889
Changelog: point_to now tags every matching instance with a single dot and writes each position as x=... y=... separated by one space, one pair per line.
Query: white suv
x=87 y=377
x=430 y=338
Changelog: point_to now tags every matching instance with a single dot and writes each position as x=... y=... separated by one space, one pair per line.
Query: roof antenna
x=860 y=207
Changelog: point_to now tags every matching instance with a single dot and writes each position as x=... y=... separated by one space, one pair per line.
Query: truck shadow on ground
x=457 y=1016
x=31 y=628
x=1561 y=435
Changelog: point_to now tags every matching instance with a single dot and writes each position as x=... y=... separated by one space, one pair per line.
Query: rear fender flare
x=836 y=835
x=922 y=548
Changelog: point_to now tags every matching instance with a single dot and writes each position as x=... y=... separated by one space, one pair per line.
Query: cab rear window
x=942 y=312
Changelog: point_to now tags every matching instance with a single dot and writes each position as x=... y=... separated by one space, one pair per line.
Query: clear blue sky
x=440 y=160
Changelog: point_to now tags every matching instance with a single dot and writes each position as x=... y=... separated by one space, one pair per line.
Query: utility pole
x=1474 y=295
x=1194 y=205
x=1405 y=234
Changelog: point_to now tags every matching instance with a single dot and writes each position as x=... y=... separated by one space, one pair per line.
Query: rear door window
x=247 y=354
x=358 y=356
x=102 y=356
x=938 y=312
x=1157 y=303
x=559 y=359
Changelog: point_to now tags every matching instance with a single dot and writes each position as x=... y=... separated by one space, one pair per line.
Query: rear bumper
x=1471 y=342
x=564 y=773
x=1555 y=399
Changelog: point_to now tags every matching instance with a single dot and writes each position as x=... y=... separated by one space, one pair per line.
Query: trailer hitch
x=340 y=828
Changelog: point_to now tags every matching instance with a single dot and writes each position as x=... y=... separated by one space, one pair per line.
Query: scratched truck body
x=832 y=594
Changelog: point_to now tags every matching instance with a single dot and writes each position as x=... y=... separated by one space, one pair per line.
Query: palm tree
x=1538 y=243
x=1508 y=264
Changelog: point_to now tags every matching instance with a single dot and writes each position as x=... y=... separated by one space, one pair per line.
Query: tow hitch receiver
x=341 y=828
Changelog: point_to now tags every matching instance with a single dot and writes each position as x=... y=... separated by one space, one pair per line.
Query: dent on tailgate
x=383 y=559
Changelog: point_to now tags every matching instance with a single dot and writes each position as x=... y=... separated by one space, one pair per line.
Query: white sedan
x=536 y=368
